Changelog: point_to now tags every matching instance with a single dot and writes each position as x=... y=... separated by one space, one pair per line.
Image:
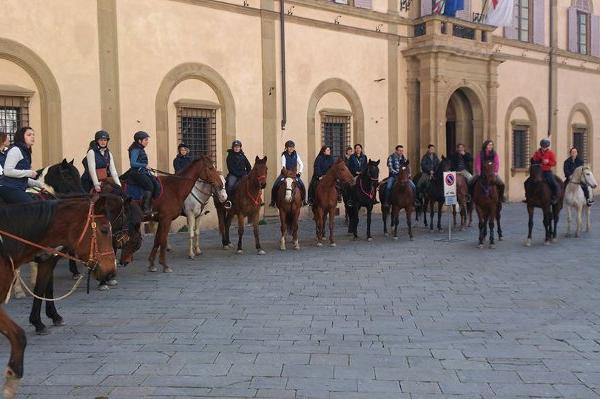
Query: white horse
x=575 y=199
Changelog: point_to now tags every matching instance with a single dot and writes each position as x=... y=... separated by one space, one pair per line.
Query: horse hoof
x=112 y=282
x=411 y=238
x=239 y=252
x=297 y=247
x=396 y=238
x=480 y=246
x=11 y=384
x=167 y=269
x=58 y=322
x=546 y=242
x=152 y=269
x=20 y=295
x=76 y=276
x=198 y=252
x=103 y=287
x=355 y=238
x=261 y=252
x=41 y=330
x=500 y=238
x=282 y=248
x=492 y=246
x=333 y=245
x=191 y=257
x=528 y=243
x=370 y=239
x=319 y=244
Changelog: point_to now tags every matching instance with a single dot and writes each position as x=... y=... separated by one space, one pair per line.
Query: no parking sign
x=450 y=188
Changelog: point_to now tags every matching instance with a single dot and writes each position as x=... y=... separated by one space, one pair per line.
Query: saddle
x=136 y=192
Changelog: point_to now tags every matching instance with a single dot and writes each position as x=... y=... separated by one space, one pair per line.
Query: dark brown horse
x=175 y=189
x=73 y=225
x=246 y=202
x=462 y=198
x=363 y=193
x=487 y=204
x=401 y=197
x=326 y=199
x=539 y=195
x=289 y=203
x=435 y=194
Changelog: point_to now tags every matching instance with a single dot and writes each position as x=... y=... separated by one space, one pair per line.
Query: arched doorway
x=460 y=122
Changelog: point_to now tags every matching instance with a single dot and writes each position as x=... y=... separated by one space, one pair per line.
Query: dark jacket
x=24 y=164
x=181 y=161
x=357 y=164
x=237 y=163
x=429 y=163
x=291 y=160
x=395 y=163
x=461 y=162
x=570 y=165
x=322 y=164
x=138 y=159
x=3 y=157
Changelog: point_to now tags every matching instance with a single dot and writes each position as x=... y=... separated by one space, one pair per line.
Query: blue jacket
x=322 y=164
x=291 y=160
x=357 y=164
x=24 y=164
x=3 y=157
x=138 y=160
x=181 y=161
x=395 y=163
x=237 y=163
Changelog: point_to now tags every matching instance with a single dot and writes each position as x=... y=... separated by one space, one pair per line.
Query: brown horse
x=72 y=224
x=436 y=193
x=401 y=197
x=539 y=195
x=175 y=189
x=326 y=199
x=487 y=204
x=462 y=193
x=246 y=202
x=289 y=203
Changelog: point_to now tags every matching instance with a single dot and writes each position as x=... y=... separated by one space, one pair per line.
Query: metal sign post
x=450 y=200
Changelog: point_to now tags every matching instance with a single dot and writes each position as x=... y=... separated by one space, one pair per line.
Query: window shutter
x=426 y=7
x=572 y=18
x=539 y=27
x=363 y=3
x=595 y=29
x=511 y=32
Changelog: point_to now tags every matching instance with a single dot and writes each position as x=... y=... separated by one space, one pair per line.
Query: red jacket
x=540 y=155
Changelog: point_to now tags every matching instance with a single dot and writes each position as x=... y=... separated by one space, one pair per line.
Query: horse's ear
x=407 y=162
x=379 y=160
x=72 y=160
x=265 y=159
x=443 y=157
x=257 y=159
x=64 y=162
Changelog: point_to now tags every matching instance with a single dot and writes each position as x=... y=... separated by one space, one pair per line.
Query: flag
x=438 y=6
x=452 y=6
x=501 y=13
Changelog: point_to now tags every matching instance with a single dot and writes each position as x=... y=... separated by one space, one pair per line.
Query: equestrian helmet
x=140 y=136
x=182 y=145
x=101 y=135
x=289 y=144
x=545 y=143
x=236 y=142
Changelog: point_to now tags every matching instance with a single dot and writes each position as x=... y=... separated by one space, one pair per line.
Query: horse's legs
x=331 y=216
x=547 y=225
x=579 y=221
x=283 y=229
x=319 y=225
x=153 y=251
x=491 y=225
x=354 y=211
x=454 y=216
x=197 y=249
x=439 y=223
x=498 y=217
x=295 y=228
x=73 y=269
x=161 y=235
x=529 y=224
x=568 y=221
x=240 y=232
x=226 y=227
x=394 y=221
x=555 y=217
x=41 y=285
x=191 y=225
x=431 y=205
x=18 y=341
x=51 y=311
x=369 y=212
x=384 y=215
x=255 y=221
x=408 y=211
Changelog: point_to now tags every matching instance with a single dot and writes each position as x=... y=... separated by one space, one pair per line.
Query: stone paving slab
x=374 y=320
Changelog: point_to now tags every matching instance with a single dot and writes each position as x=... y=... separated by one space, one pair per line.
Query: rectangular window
x=14 y=113
x=580 y=142
x=524 y=20
x=520 y=147
x=197 y=128
x=583 y=32
x=336 y=133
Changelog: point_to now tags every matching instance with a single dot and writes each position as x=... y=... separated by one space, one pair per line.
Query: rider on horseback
x=429 y=163
x=17 y=169
x=395 y=162
x=140 y=173
x=546 y=158
x=462 y=163
x=569 y=166
x=323 y=163
x=183 y=157
x=290 y=160
x=357 y=163
x=99 y=164
x=237 y=165
x=4 y=143
x=487 y=154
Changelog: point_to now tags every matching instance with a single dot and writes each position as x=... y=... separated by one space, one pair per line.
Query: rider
x=183 y=157
x=17 y=169
x=99 y=164
x=487 y=154
x=357 y=163
x=462 y=162
x=347 y=154
x=569 y=166
x=140 y=173
x=237 y=165
x=290 y=160
x=429 y=163
x=546 y=157
x=395 y=162
x=4 y=143
x=323 y=162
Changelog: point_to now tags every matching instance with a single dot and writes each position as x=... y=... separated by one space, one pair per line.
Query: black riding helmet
x=545 y=143
x=182 y=145
x=236 y=142
x=140 y=136
x=101 y=135
x=289 y=144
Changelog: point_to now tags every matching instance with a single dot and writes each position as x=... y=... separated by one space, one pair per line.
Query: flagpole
x=483 y=8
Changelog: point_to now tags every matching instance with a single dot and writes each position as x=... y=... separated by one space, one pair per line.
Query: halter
x=571 y=181
x=373 y=191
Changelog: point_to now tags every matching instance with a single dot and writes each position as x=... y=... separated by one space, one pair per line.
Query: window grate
x=198 y=129
x=580 y=141
x=524 y=19
x=14 y=113
x=520 y=148
x=582 y=32
x=336 y=134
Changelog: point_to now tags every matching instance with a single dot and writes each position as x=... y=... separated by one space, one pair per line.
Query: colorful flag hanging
x=500 y=13
x=438 y=6
x=452 y=6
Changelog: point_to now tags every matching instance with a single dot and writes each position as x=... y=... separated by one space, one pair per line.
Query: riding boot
x=501 y=188
x=147 y=203
x=273 y=197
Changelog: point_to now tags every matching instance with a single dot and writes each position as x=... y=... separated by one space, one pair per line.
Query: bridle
x=258 y=199
x=584 y=181
x=371 y=194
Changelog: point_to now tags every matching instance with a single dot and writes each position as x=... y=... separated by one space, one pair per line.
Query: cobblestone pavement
x=385 y=319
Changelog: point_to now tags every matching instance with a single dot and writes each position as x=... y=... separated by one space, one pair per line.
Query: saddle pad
x=136 y=192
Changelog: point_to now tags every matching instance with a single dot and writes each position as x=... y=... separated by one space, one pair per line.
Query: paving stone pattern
x=378 y=320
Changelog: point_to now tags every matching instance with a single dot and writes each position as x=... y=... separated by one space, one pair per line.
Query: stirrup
x=227 y=204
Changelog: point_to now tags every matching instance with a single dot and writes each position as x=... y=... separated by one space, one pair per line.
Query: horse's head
x=207 y=172
x=342 y=173
x=443 y=166
x=133 y=216
x=587 y=177
x=404 y=175
x=222 y=193
x=373 y=170
x=535 y=171
x=259 y=171
x=290 y=184
x=61 y=178
x=489 y=173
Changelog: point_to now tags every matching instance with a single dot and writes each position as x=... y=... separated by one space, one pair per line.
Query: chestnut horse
x=465 y=207
x=363 y=193
x=539 y=195
x=72 y=224
x=326 y=199
x=487 y=203
x=175 y=189
x=401 y=197
x=289 y=203
x=246 y=202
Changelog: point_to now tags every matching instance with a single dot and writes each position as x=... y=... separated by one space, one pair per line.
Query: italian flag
x=500 y=13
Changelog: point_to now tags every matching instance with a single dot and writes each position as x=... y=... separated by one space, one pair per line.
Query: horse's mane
x=28 y=221
x=201 y=158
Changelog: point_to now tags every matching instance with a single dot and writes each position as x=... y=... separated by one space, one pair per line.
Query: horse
x=436 y=193
x=486 y=200
x=575 y=199
x=401 y=197
x=363 y=193
x=73 y=224
x=325 y=201
x=539 y=195
x=175 y=189
x=289 y=204
x=464 y=205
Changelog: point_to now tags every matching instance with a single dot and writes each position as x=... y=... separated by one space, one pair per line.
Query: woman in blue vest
x=289 y=160
x=4 y=143
x=323 y=163
x=99 y=164
x=139 y=173
x=183 y=158
x=17 y=169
